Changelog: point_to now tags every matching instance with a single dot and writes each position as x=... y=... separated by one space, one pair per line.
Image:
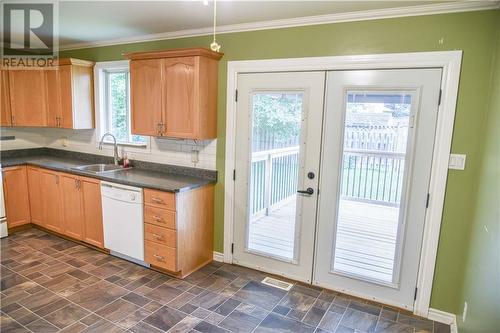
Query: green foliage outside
x=279 y=114
x=118 y=95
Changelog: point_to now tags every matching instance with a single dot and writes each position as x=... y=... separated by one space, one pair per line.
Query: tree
x=278 y=114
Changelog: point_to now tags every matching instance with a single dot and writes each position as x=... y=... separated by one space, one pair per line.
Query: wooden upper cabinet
x=72 y=212
x=80 y=100
x=5 y=99
x=71 y=113
x=62 y=96
x=53 y=98
x=146 y=96
x=180 y=93
x=183 y=101
x=15 y=186
x=70 y=95
x=27 y=90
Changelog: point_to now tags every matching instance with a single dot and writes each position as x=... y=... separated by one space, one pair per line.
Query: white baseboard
x=444 y=317
x=218 y=256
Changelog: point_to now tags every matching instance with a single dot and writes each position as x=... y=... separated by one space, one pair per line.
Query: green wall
x=481 y=287
x=471 y=32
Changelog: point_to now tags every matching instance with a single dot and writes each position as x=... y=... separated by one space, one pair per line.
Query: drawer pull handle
x=159 y=258
x=157 y=236
x=157 y=218
x=158 y=200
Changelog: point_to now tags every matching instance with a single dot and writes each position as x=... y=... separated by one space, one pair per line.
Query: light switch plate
x=457 y=161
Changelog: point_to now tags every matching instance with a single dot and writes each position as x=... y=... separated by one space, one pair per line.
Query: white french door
x=376 y=160
x=278 y=126
x=332 y=175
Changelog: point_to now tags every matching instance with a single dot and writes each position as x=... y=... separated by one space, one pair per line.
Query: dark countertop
x=152 y=179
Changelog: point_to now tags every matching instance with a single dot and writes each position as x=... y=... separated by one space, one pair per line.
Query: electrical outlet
x=195 y=156
x=64 y=141
x=464 y=314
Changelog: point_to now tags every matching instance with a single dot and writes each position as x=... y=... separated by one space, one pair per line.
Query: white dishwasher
x=122 y=216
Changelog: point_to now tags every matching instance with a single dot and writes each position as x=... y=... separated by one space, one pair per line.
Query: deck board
x=366 y=237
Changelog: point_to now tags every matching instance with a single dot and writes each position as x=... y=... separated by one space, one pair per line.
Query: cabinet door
x=53 y=98
x=4 y=99
x=35 y=197
x=49 y=186
x=66 y=94
x=180 y=95
x=15 y=186
x=28 y=97
x=92 y=212
x=72 y=215
x=146 y=96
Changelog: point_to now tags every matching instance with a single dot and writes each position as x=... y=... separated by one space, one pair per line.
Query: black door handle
x=309 y=191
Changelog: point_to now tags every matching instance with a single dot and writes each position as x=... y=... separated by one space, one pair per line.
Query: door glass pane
x=276 y=128
x=372 y=185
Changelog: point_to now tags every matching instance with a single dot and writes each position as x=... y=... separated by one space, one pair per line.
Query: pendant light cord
x=215 y=16
x=215 y=46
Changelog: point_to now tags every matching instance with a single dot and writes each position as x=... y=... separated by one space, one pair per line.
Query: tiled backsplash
x=166 y=151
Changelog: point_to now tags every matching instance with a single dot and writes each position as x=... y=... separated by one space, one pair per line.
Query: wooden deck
x=366 y=237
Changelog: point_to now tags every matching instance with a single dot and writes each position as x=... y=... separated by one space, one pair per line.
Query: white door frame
x=449 y=61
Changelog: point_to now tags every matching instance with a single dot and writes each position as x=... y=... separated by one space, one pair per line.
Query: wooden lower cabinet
x=15 y=187
x=64 y=203
x=35 y=196
x=164 y=236
x=159 y=216
x=160 y=256
x=178 y=229
x=72 y=210
x=92 y=211
x=81 y=209
x=50 y=196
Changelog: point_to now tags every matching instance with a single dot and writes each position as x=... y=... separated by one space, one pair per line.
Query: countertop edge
x=203 y=182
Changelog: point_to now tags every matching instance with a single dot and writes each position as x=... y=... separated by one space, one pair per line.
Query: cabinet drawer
x=160 y=217
x=160 y=235
x=161 y=256
x=159 y=199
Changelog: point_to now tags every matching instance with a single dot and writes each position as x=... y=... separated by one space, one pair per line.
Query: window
x=113 y=82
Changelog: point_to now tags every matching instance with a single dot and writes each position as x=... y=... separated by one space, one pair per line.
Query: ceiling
x=85 y=23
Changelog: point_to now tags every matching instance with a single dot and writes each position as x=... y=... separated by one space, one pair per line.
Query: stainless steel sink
x=99 y=168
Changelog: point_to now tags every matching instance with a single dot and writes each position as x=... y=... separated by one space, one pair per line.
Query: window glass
x=117 y=107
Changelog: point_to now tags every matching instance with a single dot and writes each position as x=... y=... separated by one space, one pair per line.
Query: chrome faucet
x=116 y=157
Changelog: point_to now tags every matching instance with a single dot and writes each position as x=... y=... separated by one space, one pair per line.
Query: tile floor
x=49 y=284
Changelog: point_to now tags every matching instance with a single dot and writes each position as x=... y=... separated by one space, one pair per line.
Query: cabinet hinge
x=234 y=174
x=427 y=200
x=232 y=247
x=440 y=94
x=236 y=95
x=415 y=296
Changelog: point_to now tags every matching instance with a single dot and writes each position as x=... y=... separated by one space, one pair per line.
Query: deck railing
x=373 y=176
x=273 y=178
x=372 y=170
x=368 y=175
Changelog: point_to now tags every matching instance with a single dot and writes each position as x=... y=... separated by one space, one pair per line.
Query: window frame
x=102 y=101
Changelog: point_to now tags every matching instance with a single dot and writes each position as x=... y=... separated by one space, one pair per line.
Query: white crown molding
x=430 y=9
